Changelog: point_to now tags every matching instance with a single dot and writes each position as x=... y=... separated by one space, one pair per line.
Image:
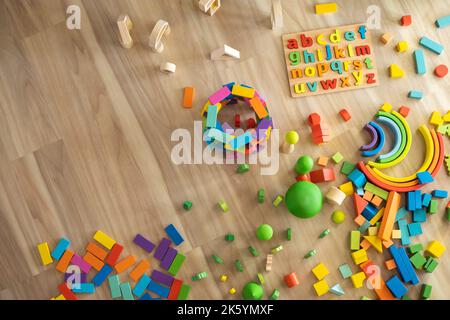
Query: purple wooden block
x=162 y=248
x=78 y=261
x=144 y=243
x=162 y=278
x=83 y=277
x=168 y=258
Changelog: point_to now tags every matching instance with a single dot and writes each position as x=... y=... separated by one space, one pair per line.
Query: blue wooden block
x=101 y=275
x=397 y=287
x=415 y=94
x=403 y=226
x=431 y=45
x=419 y=215
x=83 y=288
x=142 y=284
x=360 y=191
x=241 y=140
x=158 y=289
x=414 y=229
x=418 y=199
x=401 y=213
x=358 y=178
x=369 y=211
x=419 y=59
x=426 y=198
x=440 y=194
x=60 y=248
x=408 y=266
x=211 y=118
x=173 y=234
x=424 y=177
x=147 y=296
x=411 y=201
x=443 y=22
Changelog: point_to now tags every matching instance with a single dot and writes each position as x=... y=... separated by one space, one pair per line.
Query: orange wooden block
x=95 y=262
x=376 y=201
x=375 y=280
x=188 y=97
x=323 y=161
x=387 y=243
x=64 y=262
x=314 y=119
x=258 y=107
x=368 y=196
x=390 y=264
x=390 y=211
x=404 y=111
x=96 y=251
x=303 y=177
x=365 y=244
x=140 y=269
x=124 y=264
x=345 y=115
x=359 y=220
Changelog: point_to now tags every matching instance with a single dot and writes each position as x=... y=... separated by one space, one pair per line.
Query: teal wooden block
x=431 y=45
x=414 y=94
x=443 y=22
x=419 y=59
x=114 y=286
x=211 y=118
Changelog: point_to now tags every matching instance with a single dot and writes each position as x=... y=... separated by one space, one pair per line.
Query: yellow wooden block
x=395 y=71
x=377 y=217
x=44 y=252
x=446 y=117
x=329 y=7
x=375 y=242
x=104 y=239
x=358 y=279
x=320 y=271
x=436 y=119
x=321 y=287
x=435 y=248
x=402 y=46
x=60 y=297
x=386 y=107
x=359 y=256
x=396 y=234
x=232 y=291
x=373 y=231
x=223 y=278
x=243 y=91
x=347 y=188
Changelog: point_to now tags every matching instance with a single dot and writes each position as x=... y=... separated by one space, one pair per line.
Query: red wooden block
x=66 y=292
x=314 y=119
x=237 y=121
x=404 y=111
x=322 y=175
x=251 y=123
x=303 y=177
x=345 y=115
x=406 y=20
x=291 y=280
x=441 y=71
x=175 y=289
x=114 y=255
x=359 y=203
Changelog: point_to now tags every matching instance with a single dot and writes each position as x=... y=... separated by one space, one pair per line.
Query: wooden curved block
x=160 y=29
x=373 y=135
x=168 y=67
x=125 y=25
x=370 y=153
x=209 y=6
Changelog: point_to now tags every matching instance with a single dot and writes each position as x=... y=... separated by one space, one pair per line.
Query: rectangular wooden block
x=104 y=239
x=95 y=262
x=390 y=211
x=258 y=107
x=125 y=263
x=322 y=8
x=176 y=264
x=139 y=270
x=188 y=97
x=242 y=91
x=64 y=262
x=114 y=254
x=44 y=253
x=96 y=251
x=60 y=248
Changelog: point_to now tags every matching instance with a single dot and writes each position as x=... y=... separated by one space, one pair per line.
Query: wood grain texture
x=85 y=131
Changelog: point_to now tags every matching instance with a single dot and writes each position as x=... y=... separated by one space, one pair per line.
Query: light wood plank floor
x=85 y=131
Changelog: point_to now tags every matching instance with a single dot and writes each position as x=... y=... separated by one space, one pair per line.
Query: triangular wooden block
x=375 y=242
x=360 y=204
x=395 y=71
x=337 y=290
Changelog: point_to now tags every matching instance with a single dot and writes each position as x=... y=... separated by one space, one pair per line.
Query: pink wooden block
x=218 y=96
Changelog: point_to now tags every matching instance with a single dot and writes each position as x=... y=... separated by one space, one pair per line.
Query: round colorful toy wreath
x=257 y=133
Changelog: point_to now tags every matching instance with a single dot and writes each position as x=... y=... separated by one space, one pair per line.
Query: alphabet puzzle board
x=330 y=60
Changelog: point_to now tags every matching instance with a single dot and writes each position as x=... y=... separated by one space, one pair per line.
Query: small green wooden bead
x=261 y=195
x=324 y=233
x=223 y=205
x=276 y=249
x=239 y=266
x=187 y=205
x=217 y=259
x=253 y=251
x=289 y=234
x=229 y=237
x=242 y=168
x=277 y=200
x=275 y=295
x=310 y=254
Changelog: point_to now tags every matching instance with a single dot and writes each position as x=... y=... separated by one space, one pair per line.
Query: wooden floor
x=85 y=131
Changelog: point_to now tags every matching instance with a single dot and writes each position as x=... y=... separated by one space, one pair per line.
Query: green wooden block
x=114 y=286
x=253 y=251
x=229 y=237
x=277 y=200
x=275 y=295
x=224 y=206
x=418 y=260
x=324 y=233
x=199 y=276
x=289 y=234
x=430 y=265
x=310 y=253
x=425 y=292
x=415 y=248
x=355 y=237
x=184 y=292
x=239 y=266
x=187 y=205
x=276 y=249
x=176 y=264
x=217 y=259
x=447 y=212
x=345 y=271
x=433 y=206
x=261 y=195
x=242 y=168
x=125 y=289
x=383 y=194
x=337 y=157
x=405 y=297
x=347 y=168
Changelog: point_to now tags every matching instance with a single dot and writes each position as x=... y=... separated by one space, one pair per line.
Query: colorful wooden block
x=173 y=234
x=139 y=270
x=320 y=271
x=104 y=239
x=385 y=38
x=64 y=262
x=345 y=115
x=158 y=289
x=114 y=254
x=321 y=287
x=418 y=260
x=101 y=276
x=358 y=279
x=168 y=258
x=406 y=20
x=144 y=243
x=355 y=237
x=424 y=177
x=93 y=261
x=337 y=157
x=390 y=264
x=84 y=288
x=60 y=248
x=188 y=97
x=241 y=91
x=431 y=45
x=125 y=290
x=96 y=251
x=114 y=286
x=397 y=288
x=435 y=248
x=176 y=264
x=441 y=71
x=44 y=253
x=125 y=263
x=175 y=289
x=443 y=22
x=329 y=7
x=415 y=94
x=162 y=248
x=345 y=271
x=395 y=71
x=323 y=161
x=291 y=280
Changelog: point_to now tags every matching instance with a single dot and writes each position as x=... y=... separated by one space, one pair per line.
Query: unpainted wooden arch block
x=160 y=29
